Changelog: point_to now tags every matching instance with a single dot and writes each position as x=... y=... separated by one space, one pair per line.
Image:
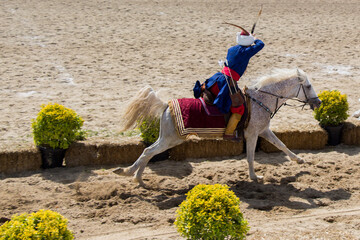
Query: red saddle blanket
x=193 y=116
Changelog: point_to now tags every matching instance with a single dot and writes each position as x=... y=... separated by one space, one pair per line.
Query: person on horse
x=224 y=84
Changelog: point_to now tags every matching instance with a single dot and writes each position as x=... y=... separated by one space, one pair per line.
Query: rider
x=237 y=58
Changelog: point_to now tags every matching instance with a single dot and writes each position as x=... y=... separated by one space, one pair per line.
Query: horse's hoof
x=258 y=179
x=121 y=171
x=299 y=160
x=140 y=182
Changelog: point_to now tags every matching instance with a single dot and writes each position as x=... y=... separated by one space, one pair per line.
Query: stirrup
x=231 y=138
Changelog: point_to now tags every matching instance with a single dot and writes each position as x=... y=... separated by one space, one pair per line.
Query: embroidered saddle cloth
x=193 y=116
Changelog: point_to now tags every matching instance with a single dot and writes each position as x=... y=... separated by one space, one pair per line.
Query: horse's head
x=306 y=91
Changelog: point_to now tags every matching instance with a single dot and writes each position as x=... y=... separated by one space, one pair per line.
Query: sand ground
x=92 y=56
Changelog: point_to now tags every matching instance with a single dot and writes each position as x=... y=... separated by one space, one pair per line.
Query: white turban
x=244 y=40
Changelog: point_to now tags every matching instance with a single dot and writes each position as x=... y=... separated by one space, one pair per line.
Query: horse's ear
x=299 y=75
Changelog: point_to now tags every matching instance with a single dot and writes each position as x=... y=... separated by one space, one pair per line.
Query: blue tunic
x=238 y=58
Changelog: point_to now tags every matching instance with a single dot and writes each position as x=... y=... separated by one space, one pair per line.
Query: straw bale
x=206 y=148
x=20 y=161
x=95 y=153
x=111 y=153
x=351 y=132
x=81 y=154
x=104 y=153
x=312 y=139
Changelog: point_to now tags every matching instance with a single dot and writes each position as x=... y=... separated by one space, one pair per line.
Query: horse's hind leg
x=168 y=138
x=158 y=147
x=140 y=164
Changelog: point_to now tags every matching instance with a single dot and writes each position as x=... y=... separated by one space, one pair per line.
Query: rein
x=277 y=108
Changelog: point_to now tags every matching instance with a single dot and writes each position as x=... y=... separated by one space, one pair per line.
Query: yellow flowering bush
x=57 y=126
x=150 y=129
x=211 y=212
x=333 y=110
x=44 y=224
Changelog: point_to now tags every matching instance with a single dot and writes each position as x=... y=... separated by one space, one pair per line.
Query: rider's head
x=244 y=38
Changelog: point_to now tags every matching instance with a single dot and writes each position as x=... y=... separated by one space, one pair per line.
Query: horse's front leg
x=251 y=140
x=273 y=139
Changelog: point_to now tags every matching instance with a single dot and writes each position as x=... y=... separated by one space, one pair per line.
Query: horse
x=266 y=96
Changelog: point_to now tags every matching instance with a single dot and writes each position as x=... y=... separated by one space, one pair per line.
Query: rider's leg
x=235 y=118
x=232 y=124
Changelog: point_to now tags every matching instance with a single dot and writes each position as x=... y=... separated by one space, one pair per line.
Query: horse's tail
x=144 y=105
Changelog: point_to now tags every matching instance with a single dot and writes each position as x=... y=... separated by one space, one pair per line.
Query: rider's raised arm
x=252 y=50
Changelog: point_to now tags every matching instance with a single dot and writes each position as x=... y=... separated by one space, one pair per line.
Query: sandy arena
x=92 y=56
x=316 y=200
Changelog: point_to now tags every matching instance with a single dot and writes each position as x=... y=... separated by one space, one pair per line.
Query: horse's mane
x=278 y=75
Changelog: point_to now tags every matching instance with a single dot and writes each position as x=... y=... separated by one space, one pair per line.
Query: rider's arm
x=252 y=50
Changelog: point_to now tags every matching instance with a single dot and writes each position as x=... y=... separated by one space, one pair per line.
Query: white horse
x=267 y=96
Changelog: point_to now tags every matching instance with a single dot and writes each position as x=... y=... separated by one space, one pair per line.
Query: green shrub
x=333 y=110
x=57 y=126
x=211 y=212
x=44 y=224
x=149 y=129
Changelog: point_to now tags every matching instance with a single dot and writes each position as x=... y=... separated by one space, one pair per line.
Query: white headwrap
x=244 y=40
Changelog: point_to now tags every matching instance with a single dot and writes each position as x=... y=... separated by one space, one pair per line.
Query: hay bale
x=81 y=154
x=104 y=153
x=351 y=132
x=115 y=153
x=312 y=139
x=206 y=148
x=20 y=161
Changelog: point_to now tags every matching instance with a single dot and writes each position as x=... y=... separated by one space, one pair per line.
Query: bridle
x=277 y=108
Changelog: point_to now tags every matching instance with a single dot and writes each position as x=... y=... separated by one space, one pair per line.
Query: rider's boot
x=231 y=126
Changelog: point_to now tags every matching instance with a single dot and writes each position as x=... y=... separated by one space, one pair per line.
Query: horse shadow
x=177 y=169
x=261 y=157
x=66 y=175
x=263 y=197
x=285 y=194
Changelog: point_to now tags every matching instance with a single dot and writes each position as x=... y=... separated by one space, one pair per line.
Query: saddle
x=237 y=100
